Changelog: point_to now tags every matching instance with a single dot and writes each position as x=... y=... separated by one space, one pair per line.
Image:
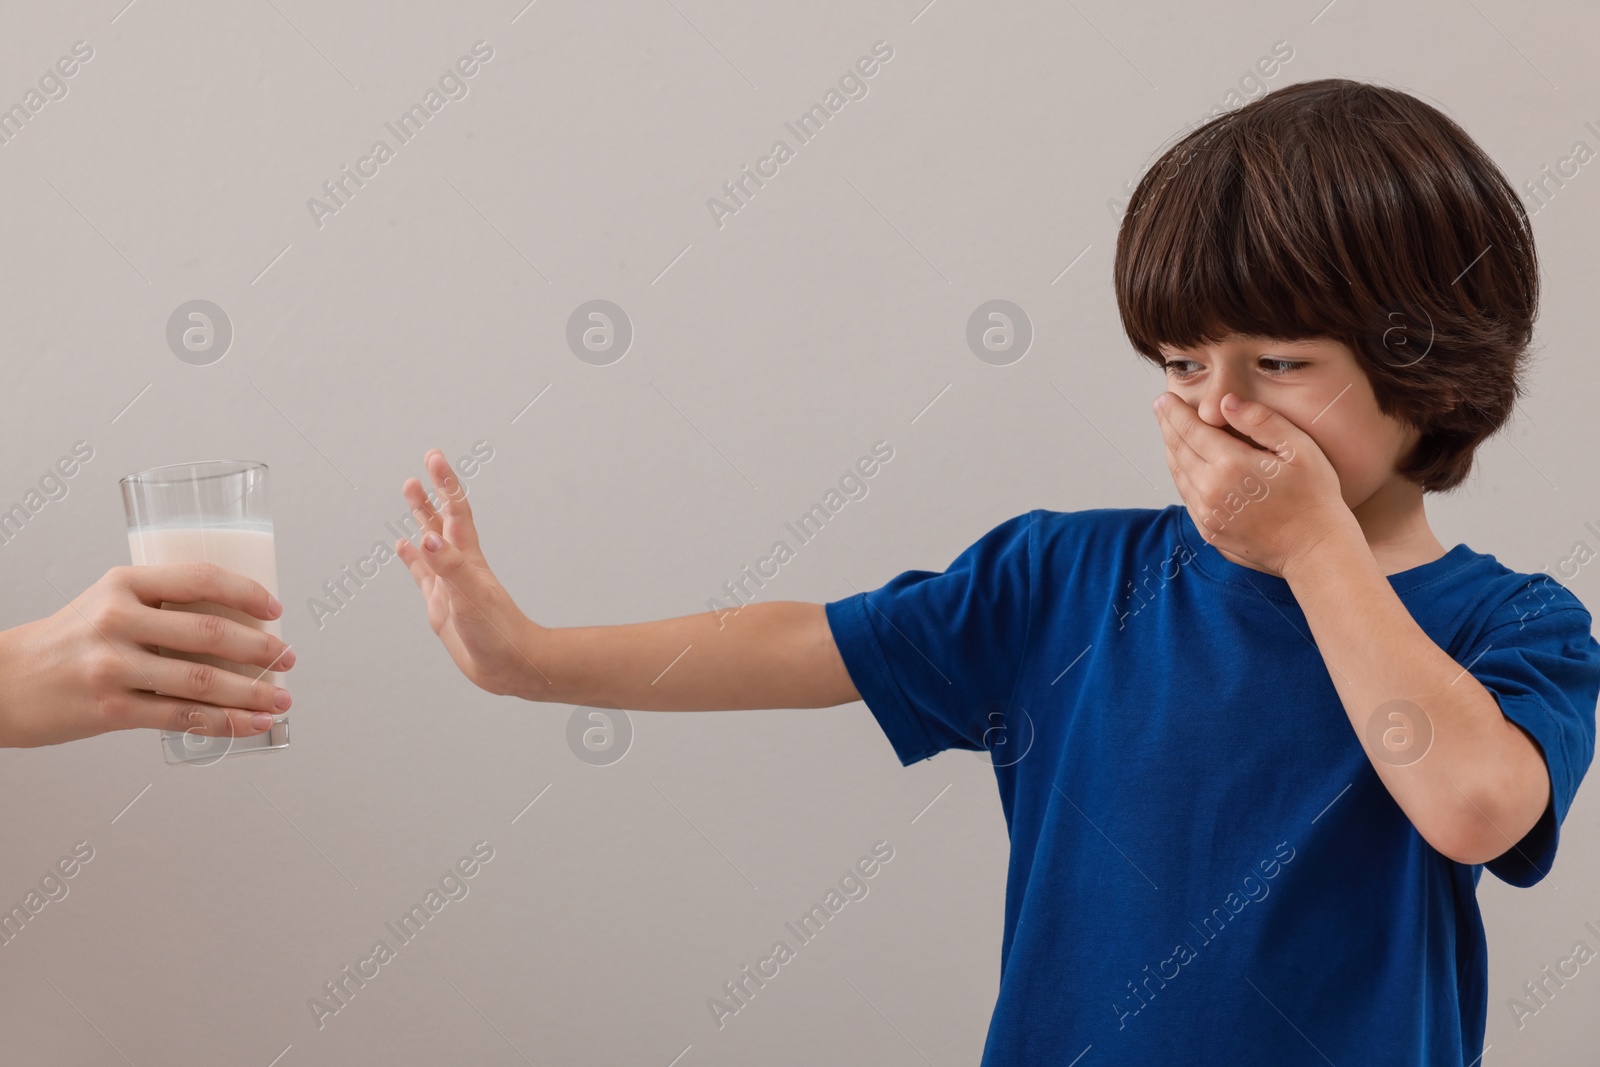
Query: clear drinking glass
x=215 y=512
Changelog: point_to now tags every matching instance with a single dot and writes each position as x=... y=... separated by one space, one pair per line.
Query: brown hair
x=1341 y=209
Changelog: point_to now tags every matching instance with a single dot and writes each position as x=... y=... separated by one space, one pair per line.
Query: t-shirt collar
x=1214 y=564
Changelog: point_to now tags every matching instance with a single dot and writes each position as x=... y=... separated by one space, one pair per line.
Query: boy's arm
x=1472 y=780
x=1481 y=783
x=774 y=655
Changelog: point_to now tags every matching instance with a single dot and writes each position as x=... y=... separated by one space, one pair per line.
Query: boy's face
x=1315 y=384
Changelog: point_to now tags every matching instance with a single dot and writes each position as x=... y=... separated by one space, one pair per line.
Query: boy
x=1254 y=751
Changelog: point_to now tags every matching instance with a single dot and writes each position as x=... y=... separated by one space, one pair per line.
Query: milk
x=247 y=550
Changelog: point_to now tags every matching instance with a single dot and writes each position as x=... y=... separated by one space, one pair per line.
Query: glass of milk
x=213 y=511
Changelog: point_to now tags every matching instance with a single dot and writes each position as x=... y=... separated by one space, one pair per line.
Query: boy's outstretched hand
x=778 y=654
x=480 y=625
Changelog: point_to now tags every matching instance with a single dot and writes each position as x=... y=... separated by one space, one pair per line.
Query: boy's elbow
x=1470 y=848
x=1487 y=826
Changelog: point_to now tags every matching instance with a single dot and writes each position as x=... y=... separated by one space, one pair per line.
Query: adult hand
x=93 y=666
x=1270 y=505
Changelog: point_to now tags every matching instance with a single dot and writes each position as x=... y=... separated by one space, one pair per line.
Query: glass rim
x=220 y=468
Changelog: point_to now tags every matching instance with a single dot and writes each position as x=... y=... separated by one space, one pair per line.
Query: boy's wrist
x=538 y=679
x=1331 y=558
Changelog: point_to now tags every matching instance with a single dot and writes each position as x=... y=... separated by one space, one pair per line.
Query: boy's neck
x=1395 y=525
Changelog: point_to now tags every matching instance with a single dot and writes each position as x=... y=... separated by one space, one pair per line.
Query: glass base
x=197 y=748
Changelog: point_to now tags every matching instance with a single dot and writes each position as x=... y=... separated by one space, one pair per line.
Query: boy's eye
x=1274 y=367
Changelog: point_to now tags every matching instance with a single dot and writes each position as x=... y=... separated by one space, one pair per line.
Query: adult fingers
x=194 y=631
x=207 y=684
x=151 y=711
x=188 y=583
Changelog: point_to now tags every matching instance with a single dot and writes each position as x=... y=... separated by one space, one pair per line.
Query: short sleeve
x=1545 y=673
x=935 y=656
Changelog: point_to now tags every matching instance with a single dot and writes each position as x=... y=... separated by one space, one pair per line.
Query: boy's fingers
x=458 y=527
x=442 y=557
x=417 y=500
x=420 y=572
x=1178 y=422
x=450 y=564
x=1269 y=429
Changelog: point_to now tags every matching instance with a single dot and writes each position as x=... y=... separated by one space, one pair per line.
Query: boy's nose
x=1221 y=381
x=1208 y=404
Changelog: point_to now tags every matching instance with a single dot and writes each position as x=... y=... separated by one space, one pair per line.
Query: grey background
x=768 y=356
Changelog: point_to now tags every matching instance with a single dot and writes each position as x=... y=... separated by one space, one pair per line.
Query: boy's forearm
x=1481 y=783
x=779 y=654
x=11 y=674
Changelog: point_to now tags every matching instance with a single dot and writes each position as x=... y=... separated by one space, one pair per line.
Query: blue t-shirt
x=1205 y=868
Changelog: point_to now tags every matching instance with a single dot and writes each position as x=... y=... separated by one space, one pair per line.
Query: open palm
x=476 y=619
